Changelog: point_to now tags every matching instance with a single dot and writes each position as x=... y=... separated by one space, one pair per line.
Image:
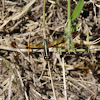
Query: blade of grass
x=68 y=29
x=64 y=79
x=53 y=89
x=77 y=10
x=68 y=26
x=44 y=3
x=7 y=64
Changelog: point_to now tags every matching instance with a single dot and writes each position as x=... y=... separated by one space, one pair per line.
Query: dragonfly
x=46 y=45
x=57 y=43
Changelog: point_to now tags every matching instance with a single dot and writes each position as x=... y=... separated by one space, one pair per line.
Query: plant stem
x=44 y=3
x=68 y=28
x=69 y=23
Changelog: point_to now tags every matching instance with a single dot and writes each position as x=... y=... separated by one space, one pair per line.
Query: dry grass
x=24 y=73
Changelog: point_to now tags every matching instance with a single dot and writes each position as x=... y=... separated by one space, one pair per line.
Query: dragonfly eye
x=46 y=50
x=47 y=58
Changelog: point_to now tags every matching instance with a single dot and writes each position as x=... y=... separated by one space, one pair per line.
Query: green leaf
x=77 y=10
